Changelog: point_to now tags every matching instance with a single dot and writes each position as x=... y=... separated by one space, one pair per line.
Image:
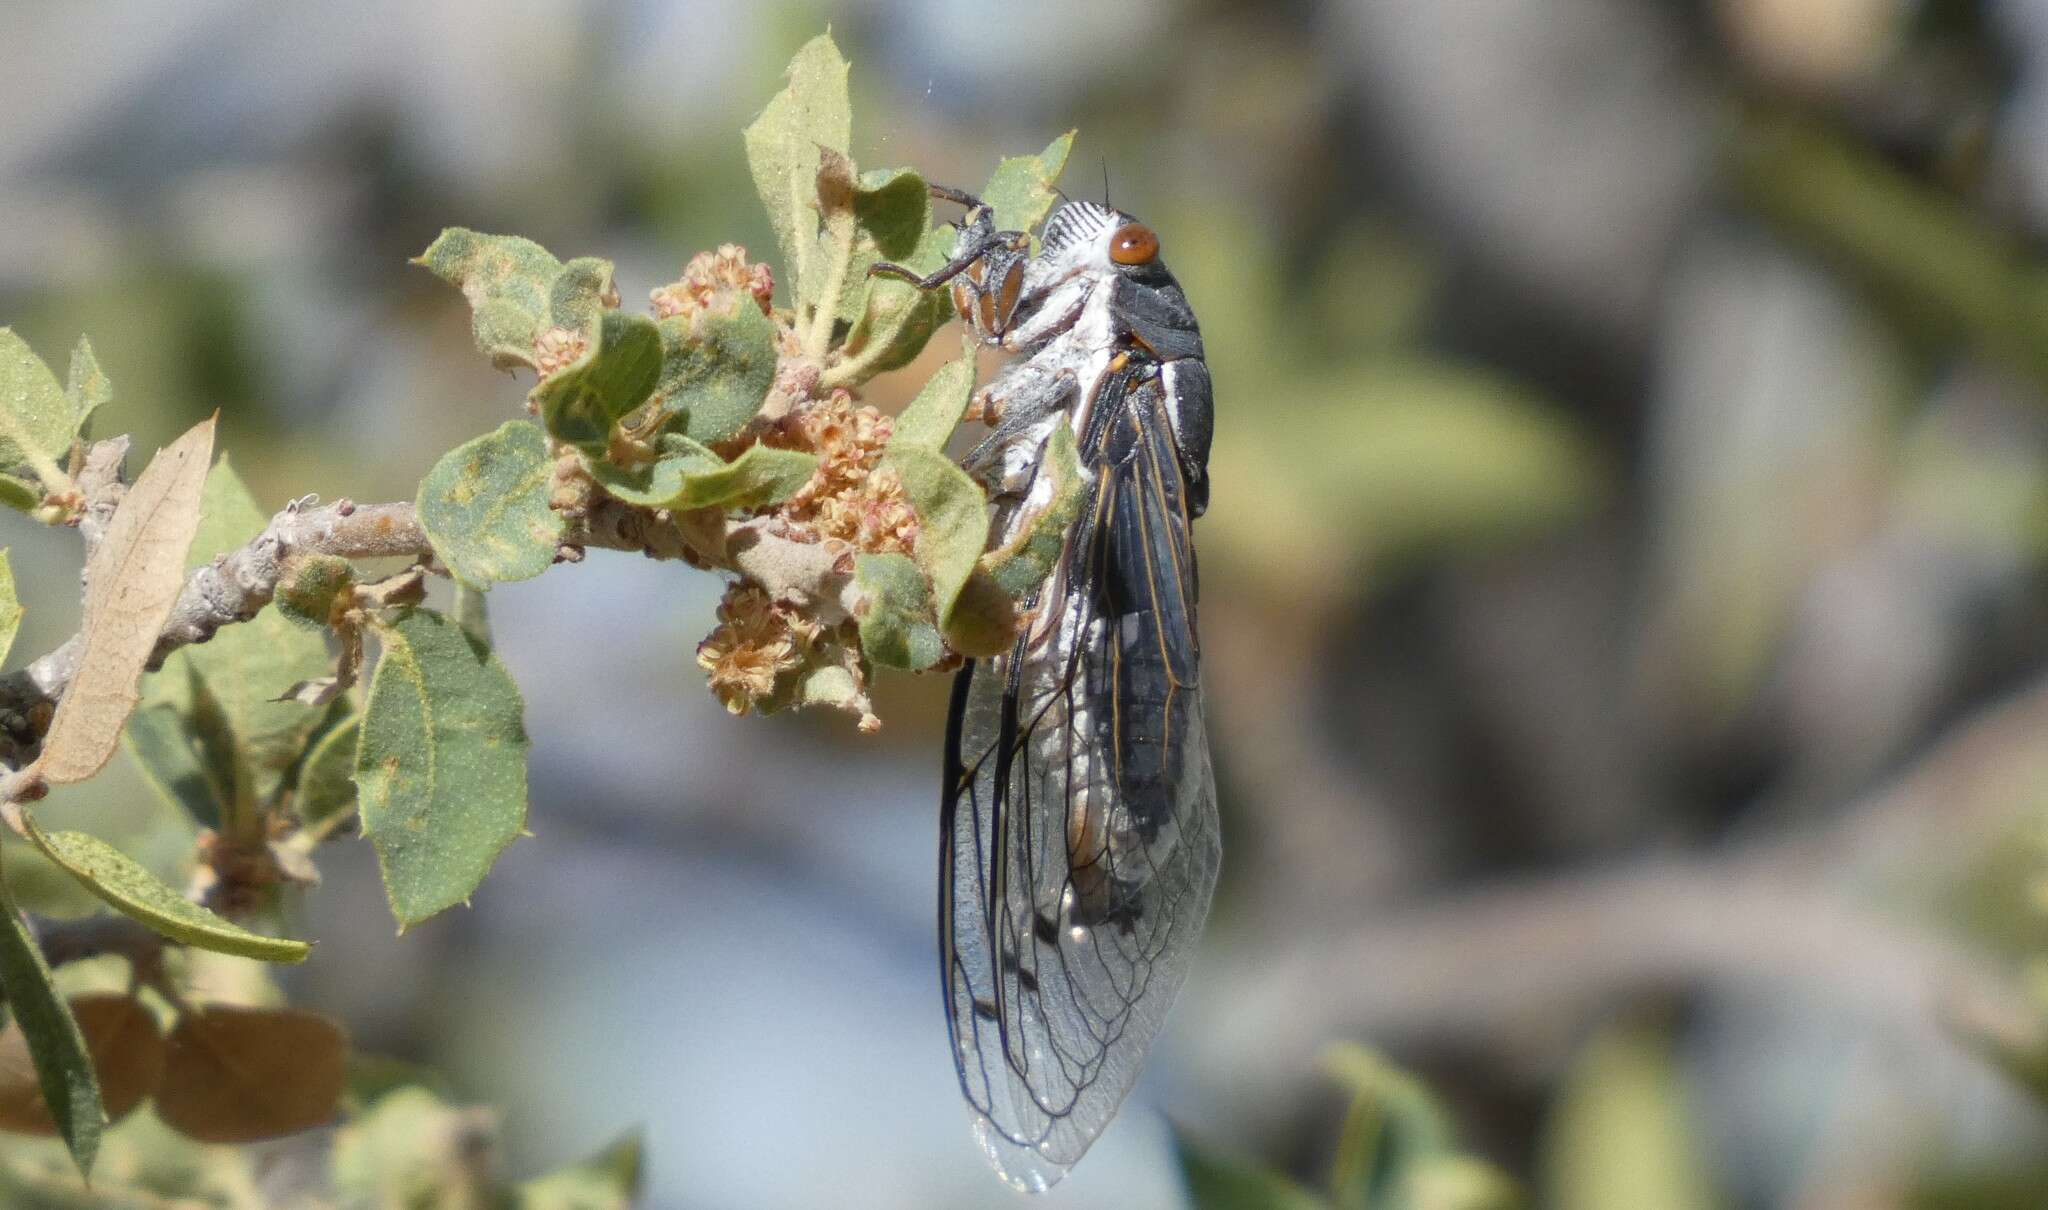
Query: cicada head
x=1089 y=236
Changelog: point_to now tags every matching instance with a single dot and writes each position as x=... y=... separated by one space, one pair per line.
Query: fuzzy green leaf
x=484 y=506
x=892 y=213
x=952 y=517
x=686 y=475
x=87 y=386
x=441 y=766
x=609 y=1180
x=63 y=1066
x=327 y=780
x=715 y=371
x=783 y=143
x=930 y=419
x=661 y=481
x=508 y=281
x=578 y=295
x=254 y=739
x=832 y=685
x=36 y=420
x=10 y=606
x=310 y=587
x=581 y=402
x=896 y=628
x=894 y=209
x=19 y=494
x=1020 y=191
x=517 y=290
x=138 y=894
x=759 y=477
x=896 y=318
x=1022 y=563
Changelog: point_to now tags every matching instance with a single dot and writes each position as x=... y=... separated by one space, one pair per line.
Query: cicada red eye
x=1133 y=244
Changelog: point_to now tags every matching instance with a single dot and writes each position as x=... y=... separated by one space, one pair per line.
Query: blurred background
x=1625 y=614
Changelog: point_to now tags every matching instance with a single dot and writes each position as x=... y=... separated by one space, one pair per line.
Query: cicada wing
x=1080 y=848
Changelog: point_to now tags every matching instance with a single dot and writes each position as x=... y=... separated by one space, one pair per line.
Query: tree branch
x=238 y=584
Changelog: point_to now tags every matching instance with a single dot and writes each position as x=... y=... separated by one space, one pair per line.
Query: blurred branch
x=1536 y=961
x=1926 y=252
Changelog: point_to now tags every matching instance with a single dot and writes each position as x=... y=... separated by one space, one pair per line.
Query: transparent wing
x=1079 y=841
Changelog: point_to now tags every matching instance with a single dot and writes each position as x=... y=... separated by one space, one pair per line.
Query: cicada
x=1078 y=841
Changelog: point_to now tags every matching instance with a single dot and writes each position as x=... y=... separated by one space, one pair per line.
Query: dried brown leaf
x=239 y=1075
x=135 y=576
x=127 y=1053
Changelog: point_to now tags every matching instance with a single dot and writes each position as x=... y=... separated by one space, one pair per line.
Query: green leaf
x=1217 y=1182
x=1393 y=1125
x=36 y=420
x=661 y=481
x=1020 y=191
x=10 y=606
x=472 y=611
x=577 y=297
x=896 y=628
x=952 y=516
x=896 y=318
x=609 y=1180
x=19 y=494
x=441 y=766
x=581 y=402
x=892 y=213
x=686 y=476
x=759 y=477
x=484 y=506
x=1396 y=1151
x=249 y=739
x=1020 y=565
x=813 y=111
x=177 y=737
x=930 y=419
x=327 y=780
x=87 y=386
x=893 y=207
x=509 y=282
x=715 y=370
x=1620 y=1135
x=55 y=1045
x=833 y=685
x=310 y=586
x=138 y=894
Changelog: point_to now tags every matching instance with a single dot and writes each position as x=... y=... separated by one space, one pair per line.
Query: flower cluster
x=757 y=640
x=765 y=653
x=851 y=497
x=558 y=348
x=712 y=280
